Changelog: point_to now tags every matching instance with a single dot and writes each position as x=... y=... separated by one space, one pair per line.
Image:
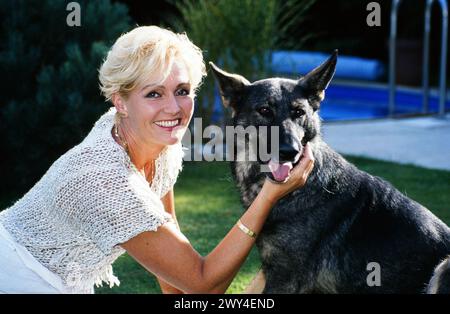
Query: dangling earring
x=122 y=143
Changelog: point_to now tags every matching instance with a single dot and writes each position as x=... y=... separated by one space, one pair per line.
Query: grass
x=208 y=205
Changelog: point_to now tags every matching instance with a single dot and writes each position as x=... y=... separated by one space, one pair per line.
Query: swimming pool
x=344 y=101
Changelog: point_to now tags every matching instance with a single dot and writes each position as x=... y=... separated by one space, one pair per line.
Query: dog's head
x=291 y=105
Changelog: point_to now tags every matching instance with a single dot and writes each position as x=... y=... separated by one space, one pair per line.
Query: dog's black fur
x=321 y=238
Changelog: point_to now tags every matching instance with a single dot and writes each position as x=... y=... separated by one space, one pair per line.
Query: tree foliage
x=50 y=96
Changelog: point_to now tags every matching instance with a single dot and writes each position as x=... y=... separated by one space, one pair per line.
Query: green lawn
x=208 y=205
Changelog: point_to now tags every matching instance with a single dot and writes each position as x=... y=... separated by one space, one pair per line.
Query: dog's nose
x=287 y=152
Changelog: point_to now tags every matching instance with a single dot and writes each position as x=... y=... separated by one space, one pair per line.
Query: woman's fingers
x=306 y=164
x=308 y=154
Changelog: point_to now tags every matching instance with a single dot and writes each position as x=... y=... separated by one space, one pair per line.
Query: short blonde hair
x=148 y=52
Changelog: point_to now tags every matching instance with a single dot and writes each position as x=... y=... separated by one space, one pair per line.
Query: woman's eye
x=266 y=112
x=182 y=92
x=153 y=95
x=298 y=113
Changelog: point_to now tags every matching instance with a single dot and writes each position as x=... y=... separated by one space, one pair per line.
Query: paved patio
x=423 y=141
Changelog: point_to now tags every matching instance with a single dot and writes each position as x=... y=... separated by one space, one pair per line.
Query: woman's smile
x=168 y=125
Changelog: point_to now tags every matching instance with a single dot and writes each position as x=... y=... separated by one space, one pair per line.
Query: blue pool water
x=347 y=102
x=354 y=102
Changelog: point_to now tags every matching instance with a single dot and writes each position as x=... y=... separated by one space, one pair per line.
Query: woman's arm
x=169 y=205
x=168 y=254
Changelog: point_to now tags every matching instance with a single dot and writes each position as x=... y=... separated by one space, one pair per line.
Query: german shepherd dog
x=326 y=236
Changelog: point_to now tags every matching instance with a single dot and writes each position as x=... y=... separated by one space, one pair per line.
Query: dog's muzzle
x=280 y=168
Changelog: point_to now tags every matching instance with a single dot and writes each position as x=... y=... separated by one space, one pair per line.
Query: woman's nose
x=172 y=106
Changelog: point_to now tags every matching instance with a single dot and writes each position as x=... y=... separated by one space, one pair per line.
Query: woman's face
x=159 y=114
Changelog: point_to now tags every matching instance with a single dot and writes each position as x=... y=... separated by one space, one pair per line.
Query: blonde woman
x=114 y=191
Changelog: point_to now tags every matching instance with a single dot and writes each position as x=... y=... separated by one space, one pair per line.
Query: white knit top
x=90 y=200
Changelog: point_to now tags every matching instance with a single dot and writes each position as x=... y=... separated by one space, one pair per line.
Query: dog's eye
x=297 y=113
x=266 y=112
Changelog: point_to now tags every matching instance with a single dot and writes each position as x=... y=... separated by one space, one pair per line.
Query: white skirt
x=20 y=272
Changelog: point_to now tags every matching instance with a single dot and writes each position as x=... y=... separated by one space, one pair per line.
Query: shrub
x=50 y=96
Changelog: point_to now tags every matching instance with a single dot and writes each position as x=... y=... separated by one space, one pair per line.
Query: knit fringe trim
x=82 y=282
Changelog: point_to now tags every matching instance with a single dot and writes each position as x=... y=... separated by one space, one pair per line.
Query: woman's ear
x=119 y=103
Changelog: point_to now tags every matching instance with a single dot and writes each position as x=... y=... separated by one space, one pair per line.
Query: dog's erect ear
x=316 y=81
x=230 y=85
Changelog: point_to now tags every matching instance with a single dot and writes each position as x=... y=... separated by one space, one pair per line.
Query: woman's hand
x=273 y=191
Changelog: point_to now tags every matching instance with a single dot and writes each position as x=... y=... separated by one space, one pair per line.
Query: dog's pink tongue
x=280 y=171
